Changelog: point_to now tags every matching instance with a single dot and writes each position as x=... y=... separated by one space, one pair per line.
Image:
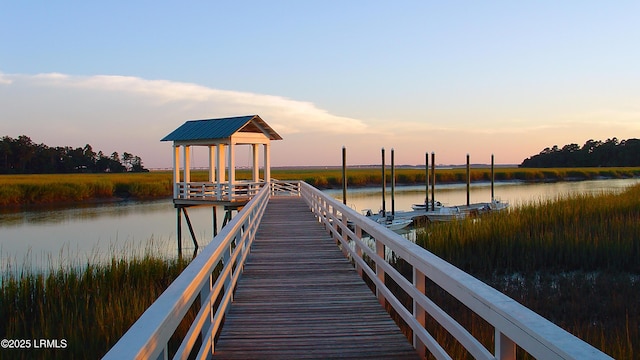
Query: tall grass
x=48 y=189
x=574 y=260
x=89 y=306
x=16 y=190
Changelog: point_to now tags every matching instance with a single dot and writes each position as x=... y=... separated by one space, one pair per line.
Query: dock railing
x=515 y=325
x=206 y=288
x=206 y=285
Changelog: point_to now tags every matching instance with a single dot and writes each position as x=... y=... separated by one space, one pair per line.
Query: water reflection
x=517 y=193
x=50 y=236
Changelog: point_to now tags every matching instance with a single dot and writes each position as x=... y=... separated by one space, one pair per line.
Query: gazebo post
x=256 y=163
x=232 y=169
x=220 y=167
x=176 y=169
x=267 y=163
x=212 y=159
x=187 y=166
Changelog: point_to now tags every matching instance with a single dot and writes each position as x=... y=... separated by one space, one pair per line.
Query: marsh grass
x=574 y=260
x=90 y=305
x=17 y=190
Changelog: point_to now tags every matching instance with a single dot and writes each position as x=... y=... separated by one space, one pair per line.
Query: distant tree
x=23 y=156
x=611 y=152
x=126 y=160
x=115 y=166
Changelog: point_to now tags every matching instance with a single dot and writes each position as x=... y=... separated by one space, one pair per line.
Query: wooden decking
x=300 y=298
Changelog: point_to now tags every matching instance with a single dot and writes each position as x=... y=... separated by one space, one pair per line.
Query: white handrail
x=149 y=336
x=210 y=190
x=515 y=325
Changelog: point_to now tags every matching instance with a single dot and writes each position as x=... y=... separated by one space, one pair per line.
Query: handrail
x=515 y=325
x=202 y=190
x=149 y=336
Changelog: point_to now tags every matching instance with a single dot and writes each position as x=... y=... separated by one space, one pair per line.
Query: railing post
x=419 y=281
x=505 y=347
x=358 y=249
x=226 y=260
x=204 y=295
x=379 y=271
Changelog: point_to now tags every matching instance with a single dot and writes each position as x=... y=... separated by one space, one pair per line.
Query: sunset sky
x=453 y=77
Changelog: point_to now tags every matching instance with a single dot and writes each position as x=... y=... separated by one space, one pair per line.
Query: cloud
x=4 y=80
x=124 y=113
x=286 y=115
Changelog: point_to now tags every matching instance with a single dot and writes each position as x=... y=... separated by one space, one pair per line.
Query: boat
x=498 y=205
x=388 y=220
x=445 y=214
x=395 y=224
x=426 y=205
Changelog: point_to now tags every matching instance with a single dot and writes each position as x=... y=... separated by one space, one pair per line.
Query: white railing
x=285 y=188
x=212 y=276
x=514 y=324
x=215 y=191
x=210 y=279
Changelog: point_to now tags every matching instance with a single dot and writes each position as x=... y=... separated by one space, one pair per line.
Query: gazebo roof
x=223 y=128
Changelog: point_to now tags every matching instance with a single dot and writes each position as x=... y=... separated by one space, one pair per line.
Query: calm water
x=47 y=237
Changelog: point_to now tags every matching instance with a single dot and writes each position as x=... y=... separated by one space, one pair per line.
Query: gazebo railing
x=215 y=191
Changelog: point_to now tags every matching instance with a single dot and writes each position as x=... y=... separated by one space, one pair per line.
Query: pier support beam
x=183 y=210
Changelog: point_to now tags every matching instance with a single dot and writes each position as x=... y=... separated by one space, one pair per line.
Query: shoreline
x=25 y=192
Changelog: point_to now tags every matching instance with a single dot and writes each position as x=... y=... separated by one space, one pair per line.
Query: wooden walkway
x=300 y=298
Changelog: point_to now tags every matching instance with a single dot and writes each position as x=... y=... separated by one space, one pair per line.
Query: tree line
x=609 y=153
x=23 y=156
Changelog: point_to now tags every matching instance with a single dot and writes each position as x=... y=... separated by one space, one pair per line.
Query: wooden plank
x=299 y=297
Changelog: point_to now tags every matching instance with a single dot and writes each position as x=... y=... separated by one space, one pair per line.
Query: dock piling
x=384 y=185
x=393 y=184
x=344 y=175
x=433 y=182
x=492 y=178
x=468 y=180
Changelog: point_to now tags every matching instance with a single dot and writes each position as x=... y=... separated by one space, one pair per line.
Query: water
x=517 y=193
x=45 y=238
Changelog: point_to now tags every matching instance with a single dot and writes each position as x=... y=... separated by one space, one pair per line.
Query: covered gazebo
x=220 y=136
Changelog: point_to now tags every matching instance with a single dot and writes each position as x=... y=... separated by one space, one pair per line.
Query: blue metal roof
x=210 y=129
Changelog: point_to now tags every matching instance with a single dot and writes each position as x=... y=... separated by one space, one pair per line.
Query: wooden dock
x=299 y=297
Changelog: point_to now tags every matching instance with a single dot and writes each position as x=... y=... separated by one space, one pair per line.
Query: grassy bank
x=575 y=261
x=89 y=307
x=18 y=190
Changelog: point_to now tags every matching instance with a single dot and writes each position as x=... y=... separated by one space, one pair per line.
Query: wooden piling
x=468 y=180
x=492 y=178
x=179 y=230
x=393 y=184
x=426 y=171
x=384 y=185
x=344 y=175
x=433 y=182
